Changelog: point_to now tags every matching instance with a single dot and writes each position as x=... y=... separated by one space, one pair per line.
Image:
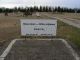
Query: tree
x=41 y=9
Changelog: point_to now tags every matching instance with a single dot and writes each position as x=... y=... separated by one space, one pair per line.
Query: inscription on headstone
x=38 y=27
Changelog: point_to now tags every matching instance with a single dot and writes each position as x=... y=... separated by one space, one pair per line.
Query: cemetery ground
x=69 y=18
x=10 y=29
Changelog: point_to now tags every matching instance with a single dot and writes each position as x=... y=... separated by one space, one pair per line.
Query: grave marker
x=38 y=27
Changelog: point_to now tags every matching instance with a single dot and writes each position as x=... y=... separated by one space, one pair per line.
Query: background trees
x=40 y=9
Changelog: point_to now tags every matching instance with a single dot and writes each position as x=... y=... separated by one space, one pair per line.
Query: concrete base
x=43 y=49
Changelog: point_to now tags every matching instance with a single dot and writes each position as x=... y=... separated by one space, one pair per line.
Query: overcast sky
x=62 y=3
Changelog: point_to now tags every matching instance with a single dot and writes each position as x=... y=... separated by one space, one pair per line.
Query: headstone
x=38 y=27
x=37 y=14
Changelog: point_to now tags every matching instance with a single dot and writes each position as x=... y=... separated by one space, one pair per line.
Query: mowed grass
x=10 y=28
x=66 y=15
x=69 y=33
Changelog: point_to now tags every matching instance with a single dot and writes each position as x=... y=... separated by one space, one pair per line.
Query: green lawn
x=69 y=33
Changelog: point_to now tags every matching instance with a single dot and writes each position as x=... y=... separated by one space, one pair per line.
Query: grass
x=10 y=26
x=10 y=29
x=69 y=32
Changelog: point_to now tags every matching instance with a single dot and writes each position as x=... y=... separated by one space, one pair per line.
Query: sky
x=25 y=3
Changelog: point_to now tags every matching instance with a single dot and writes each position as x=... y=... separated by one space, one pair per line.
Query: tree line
x=40 y=9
